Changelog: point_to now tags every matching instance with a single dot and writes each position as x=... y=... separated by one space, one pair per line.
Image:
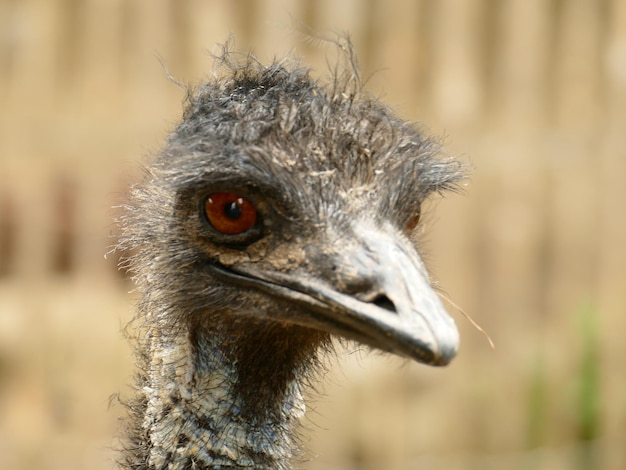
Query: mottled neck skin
x=221 y=399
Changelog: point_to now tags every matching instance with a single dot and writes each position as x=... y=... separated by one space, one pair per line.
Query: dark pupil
x=232 y=210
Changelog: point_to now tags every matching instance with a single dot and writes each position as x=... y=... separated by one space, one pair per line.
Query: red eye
x=412 y=223
x=229 y=213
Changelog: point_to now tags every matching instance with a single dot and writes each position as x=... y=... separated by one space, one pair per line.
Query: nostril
x=385 y=302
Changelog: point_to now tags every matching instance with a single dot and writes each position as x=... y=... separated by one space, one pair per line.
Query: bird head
x=279 y=199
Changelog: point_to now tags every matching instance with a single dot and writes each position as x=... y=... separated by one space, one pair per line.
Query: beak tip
x=447 y=346
x=445 y=355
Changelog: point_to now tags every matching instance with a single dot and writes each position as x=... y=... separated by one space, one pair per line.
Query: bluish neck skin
x=196 y=418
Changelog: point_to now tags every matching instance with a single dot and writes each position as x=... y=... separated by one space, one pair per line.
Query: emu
x=282 y=212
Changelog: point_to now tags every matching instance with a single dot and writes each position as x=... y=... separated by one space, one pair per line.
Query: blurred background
x=531 y=92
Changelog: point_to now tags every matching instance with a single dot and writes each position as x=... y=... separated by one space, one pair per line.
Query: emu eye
x=229 y=213
x=412 y=222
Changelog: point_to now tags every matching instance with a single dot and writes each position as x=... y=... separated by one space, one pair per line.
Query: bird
x=280 y=217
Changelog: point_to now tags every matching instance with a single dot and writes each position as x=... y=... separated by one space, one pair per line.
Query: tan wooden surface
x=532 y=92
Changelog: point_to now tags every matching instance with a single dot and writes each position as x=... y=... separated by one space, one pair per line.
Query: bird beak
x=390 y=303
x=376 y=291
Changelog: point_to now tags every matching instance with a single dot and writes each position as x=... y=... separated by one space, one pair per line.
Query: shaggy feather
x=220 y=367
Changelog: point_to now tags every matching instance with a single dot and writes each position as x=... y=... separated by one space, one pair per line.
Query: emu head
x=282 y=203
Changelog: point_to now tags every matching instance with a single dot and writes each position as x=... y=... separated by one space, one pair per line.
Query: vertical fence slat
x=522 y=53
x=611 y=239
x=455 y=75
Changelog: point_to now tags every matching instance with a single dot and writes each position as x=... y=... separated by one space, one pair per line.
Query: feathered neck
x=222 y=398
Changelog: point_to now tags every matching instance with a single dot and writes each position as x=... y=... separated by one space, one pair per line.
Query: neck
x=209 y=399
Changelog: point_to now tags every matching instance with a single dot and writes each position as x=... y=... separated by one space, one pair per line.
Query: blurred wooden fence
x=532 y=91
